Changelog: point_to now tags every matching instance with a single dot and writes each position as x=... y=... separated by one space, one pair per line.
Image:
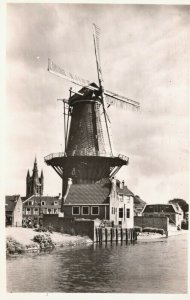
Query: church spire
x=35 y=169
x=28 y=174
x=34 y=183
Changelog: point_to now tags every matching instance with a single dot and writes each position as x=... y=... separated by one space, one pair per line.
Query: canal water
x=158 y=266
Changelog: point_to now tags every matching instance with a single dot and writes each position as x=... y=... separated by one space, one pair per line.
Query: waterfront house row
x=35 y=207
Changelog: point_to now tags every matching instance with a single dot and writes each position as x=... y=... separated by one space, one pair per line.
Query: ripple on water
x=143 y=267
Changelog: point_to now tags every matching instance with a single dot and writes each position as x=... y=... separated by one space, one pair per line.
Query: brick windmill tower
x=88 y=160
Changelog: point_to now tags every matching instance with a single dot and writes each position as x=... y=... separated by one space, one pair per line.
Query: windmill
x=88 y=155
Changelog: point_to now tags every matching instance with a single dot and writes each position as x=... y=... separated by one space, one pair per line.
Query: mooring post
x=106 y=235
x=121 y=234
x=131 y=235
x=116 y=234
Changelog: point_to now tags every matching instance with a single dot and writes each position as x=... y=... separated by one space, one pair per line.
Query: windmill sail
x=55 y=69
x=120 y=101
x=111 y=98
x=96 y=35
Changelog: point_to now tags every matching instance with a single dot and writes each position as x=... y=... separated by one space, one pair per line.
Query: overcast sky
x=145 y=56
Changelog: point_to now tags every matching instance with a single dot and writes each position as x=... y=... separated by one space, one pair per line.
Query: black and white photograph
x=96 y=152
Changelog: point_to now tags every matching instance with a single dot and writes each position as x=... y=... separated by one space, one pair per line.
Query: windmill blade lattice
x=120 y=101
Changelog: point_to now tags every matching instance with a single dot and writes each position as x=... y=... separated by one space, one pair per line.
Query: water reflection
x=140 y=267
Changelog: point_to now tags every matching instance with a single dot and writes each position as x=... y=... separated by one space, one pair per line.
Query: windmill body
x=88 y=157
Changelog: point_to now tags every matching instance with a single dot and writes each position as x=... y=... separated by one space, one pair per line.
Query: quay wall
x=70 y=225
x=88 y=228
x=154 y=222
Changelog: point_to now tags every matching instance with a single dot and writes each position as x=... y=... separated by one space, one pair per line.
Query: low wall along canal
x=88 y=228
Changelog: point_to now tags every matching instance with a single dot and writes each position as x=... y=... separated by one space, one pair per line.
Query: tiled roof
x=139 y=202
x=125 y=191
x=166 y=208
x=96 y=193
x=10 y=202
x=49 y=200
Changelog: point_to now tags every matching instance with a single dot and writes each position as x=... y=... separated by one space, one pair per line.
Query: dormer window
x=120 y=196
x=43 y=203
x=128 y=199
x=55 y=202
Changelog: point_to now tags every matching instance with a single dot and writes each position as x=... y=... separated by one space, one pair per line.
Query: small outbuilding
x=172 y=211
x=13 y=210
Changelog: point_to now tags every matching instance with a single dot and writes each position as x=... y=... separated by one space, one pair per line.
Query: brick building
x=105 y=200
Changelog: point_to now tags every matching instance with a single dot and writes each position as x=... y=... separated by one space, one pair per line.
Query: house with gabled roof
x=139 y=205
x=105 y=200
x=35 y=206
x=13 y=210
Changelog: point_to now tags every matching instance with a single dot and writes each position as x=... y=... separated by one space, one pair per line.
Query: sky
x=145 y=56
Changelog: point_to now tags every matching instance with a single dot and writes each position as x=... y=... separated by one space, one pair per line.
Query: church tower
x=34 y=183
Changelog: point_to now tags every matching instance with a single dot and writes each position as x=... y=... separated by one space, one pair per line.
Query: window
x=49 y=210
x=55 y=210
x=43 y=203
x=28 y=211
x=55 y=202
x=30 y=202
x=128 y=199
x=95 y=210
x=128 y=213
x=121 y=213
x=36 y=211
x=76 y=210
x=85 y=210
x=120 y=196
x=113 y=211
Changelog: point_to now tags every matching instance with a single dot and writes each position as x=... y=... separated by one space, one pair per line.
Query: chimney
x=121 y=184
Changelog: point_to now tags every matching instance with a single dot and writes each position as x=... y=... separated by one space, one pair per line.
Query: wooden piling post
x=100 y=234
x=108 y=234
x=118 y=234
x=97 y=235
x=121 y=234
x=129 y=234
x=126 y=234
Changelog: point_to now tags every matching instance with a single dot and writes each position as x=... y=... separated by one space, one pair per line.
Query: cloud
x=145 y=56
